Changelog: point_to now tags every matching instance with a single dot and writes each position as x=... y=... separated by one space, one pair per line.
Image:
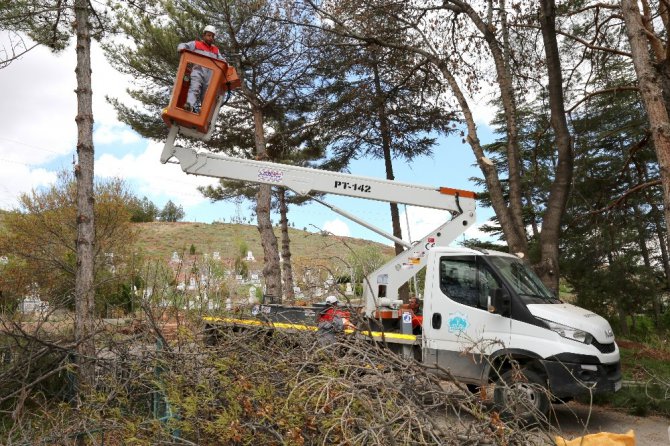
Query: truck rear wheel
x=521 y=395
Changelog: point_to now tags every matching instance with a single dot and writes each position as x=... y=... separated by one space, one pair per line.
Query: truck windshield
x=524 y=281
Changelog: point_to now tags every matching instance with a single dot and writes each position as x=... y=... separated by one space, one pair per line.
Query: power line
x=32 y=146
x=17 y=162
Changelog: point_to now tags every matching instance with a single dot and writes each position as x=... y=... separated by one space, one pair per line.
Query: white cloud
x=337 y=227
x=39 y=107
x=483 y=111
x=38 y=116
x=421 y=221
x=18 y=179
x=153 y=179
x=424 y=220
x=114 y=133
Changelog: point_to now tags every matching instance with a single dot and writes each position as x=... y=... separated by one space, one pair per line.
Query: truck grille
x=603 y=348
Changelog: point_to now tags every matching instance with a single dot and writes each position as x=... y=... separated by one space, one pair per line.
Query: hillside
x=158 y=240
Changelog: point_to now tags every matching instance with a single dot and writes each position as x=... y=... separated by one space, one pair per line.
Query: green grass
x=651 y=370
x=160 y=240
x=638 y=367
x=652 y=399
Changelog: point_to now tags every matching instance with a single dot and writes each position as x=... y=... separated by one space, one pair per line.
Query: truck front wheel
x=521 y=395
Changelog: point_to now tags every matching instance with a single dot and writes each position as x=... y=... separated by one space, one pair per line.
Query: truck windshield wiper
x=539 y=296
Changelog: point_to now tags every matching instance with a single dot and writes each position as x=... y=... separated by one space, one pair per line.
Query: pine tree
x=52 y=23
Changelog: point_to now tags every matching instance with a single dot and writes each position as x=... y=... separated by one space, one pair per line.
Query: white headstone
x=33 y=304
x=250 y=257
x=175 y=257
x=348 y=291
x=216 y=255
x=191 y=283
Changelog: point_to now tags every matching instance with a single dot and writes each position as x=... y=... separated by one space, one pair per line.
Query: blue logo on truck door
x=457 y=322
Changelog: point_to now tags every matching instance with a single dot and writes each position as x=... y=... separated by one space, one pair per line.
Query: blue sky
x=38 y=139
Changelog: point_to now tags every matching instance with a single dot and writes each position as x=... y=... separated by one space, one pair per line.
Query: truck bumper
x=571 y=375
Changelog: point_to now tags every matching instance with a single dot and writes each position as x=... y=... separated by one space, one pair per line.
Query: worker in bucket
x=332 y=320
x=200 y=76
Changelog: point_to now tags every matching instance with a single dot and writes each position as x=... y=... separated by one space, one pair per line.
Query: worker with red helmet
x=200 y=76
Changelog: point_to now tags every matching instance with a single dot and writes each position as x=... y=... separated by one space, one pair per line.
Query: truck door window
x=458 y=279
x=487 y=283
x=466 y=281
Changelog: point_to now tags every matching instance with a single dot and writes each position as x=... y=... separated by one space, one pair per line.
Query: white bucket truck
x=487 y=318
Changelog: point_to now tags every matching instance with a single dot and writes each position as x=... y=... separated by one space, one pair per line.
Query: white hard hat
x=209 y=29
x=331 y=300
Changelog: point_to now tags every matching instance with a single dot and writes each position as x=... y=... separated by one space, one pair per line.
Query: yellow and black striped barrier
x=397 y=338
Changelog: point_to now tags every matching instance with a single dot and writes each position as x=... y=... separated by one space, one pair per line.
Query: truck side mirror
x=500 y=302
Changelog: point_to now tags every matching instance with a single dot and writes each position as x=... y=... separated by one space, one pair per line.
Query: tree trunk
x=623 y=324
x=657 y=217
x=662 y=237
x=385 y=131
x=271 y=270
x=518 y=243
x=548 y=267
x=651 y=90
x=84 y=287
x=641 y=235
x=287 y=271
x=515 y=238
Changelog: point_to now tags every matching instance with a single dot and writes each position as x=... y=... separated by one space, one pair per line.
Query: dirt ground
x=575 y=419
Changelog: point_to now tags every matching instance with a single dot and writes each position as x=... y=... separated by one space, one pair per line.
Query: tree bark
x=650 y=83
x=271 y=270
x=84 y=173
x=548 y=268
x=287 y=270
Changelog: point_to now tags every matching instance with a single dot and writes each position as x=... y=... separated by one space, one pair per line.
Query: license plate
x=617 y=386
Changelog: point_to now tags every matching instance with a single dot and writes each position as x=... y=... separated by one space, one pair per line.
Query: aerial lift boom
x=382 y=286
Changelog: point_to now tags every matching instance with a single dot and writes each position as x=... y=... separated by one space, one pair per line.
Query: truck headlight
x=569 y=332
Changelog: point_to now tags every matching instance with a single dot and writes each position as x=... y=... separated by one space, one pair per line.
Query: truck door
x=458 y=330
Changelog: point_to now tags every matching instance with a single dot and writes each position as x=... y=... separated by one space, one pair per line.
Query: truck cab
x=489 y=318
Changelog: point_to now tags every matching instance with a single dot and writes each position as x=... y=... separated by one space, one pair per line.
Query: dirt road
x=571 y=421
x=574 y=420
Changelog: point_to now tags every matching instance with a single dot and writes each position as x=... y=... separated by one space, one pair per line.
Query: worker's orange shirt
x=331 y=312
x=417 y=321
